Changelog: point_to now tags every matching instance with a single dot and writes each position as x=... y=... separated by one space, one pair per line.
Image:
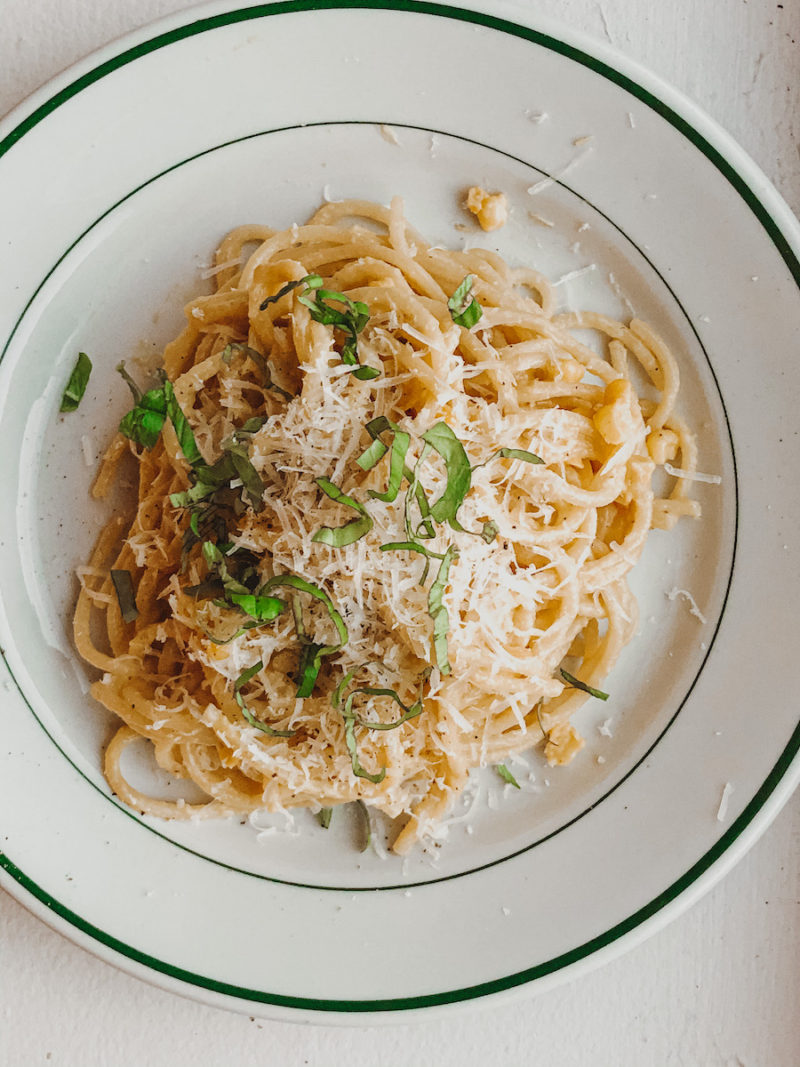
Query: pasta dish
x=388 y=498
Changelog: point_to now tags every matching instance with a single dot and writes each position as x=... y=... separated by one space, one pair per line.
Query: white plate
x=150 y=151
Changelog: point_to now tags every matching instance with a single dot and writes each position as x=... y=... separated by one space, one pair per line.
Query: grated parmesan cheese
x=571 y=275
x=692 y=476
x=552 y=179
x=722 y=811
x=388 y=134
x=88 y=450
x=674 y=593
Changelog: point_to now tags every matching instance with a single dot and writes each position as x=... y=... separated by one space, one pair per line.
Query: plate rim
x=775 y=217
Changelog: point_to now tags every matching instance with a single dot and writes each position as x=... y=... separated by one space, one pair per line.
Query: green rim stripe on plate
x=452 y=996
x=784 y=249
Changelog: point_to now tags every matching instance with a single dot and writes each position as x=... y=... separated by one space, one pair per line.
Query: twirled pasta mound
x=485 y=478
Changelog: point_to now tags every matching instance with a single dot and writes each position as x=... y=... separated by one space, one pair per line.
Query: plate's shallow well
x=166 y=142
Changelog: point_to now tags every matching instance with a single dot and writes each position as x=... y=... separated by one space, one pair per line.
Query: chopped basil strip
x=201 y=490
x=511 y=453
x=183 y=430
x=217 y=565
x=545 y=733
x=409 y=712
x=414 y=546
x=123 y=587
x=459 y=473
x=325 y=815
x=144 y=421
x=464 y=308
x=416 y=492
x=76 y=386
x=295 y=582
x=336 y=695
x=250 y=426
x=215 y=639
x=209 y=479
x=506 y=775
x=313 y=281
x=261 y=608
x=352 y=748
x=576 y=683
x=351 y=322
x=438 y=612
x=246 y=675
x=242 y=680
x=353 y=531
x=375 y=452
x=489 y=531
x=134 y=388
x=351 y=719
x=259 y=360
x=312 y=653
x=411 y=546
x=362 y=808
x=310 y=666
x=520 y=453
x=246 y=472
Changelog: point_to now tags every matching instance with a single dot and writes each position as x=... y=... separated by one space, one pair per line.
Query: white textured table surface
x=721 y=985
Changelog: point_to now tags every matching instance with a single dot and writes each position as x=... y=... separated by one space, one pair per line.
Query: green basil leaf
x=351 y=321
x=257 y=358
x=459 y=473
x=246 y=675
x=309 y=667
x=144 y=421
x=397 y=459
x=217 y=565
x=520 y=453
x=438 y=612
x=362 y=808
x=123 y=587
x=351 y=719
x=409 y=712
x=217 y=640
x=134 y=388
x=242 y=680
x=313 y=281
x=293 y=581
x=262 y=608
x=183 y=430
x=365 y=374
x=312 y=654
x=76 y=386
x=416 y=492
x=250 y=426
x=414 y=546
x=464 y=309
x=353 y=531
x=410 y=546
x=489 y=531
x=506 y=775
x=352 y=748
x=576 y=683
x=251 y=479
x=199 y=491
x=511 y=453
